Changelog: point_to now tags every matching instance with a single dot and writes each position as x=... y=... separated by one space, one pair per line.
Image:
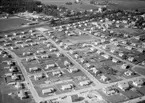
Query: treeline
x=14 y=6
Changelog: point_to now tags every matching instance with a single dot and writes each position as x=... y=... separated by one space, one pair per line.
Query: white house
x=57 y=73
x=67 y=86
x=124 y=66
x=34 y=69
x=71 y=70
x=95 y=71
x=38 y=76
x=115 y=60
x=104 y=78
x=22 y=94
x=106 y=56
x=128 y=73
x=138 y=82
x=123 y=86
x=121 y=54
x=85 y=83
x=109 y=91
x=129 y=47
x=50 y=66
x=131 y=59
x=48 y=91
x=112 y=50
x=66 y=63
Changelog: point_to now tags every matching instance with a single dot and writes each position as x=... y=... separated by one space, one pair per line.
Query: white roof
x=42 y=29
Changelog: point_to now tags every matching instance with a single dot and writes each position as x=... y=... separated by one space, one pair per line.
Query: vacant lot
x=6 y=24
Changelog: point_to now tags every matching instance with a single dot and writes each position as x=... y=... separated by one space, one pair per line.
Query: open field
x=6 y=24
x=114 y=4
x=128 y=4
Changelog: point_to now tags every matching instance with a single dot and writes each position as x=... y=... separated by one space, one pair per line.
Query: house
x=72 y=70
x=124 y=42
x=82 y=60
x=50 y=66
x=28 y=40
x=121 y=54
x=7 y=44
x=138 y=82
x=115 y=60
x=61 y=44
x=45 y=56
x=124 y=66
x=15 y=77
x=123 y=86
x=85 y=83
x=140 y=50
x=18 y=85
x=48 y=45
x=32 y=69
x=133 y=44
x=104 y=78
x=57 y=73
x=22 y=94
x=103 y=40
x=27 y=53
x=112 y=50
x=106 y=56
x=24 y=45
x=95 y=71
x=76 y=56
x=8 y=74
x=129 y=73
x=67 y=63
x=137 y=37
x=38 y=76
x=40 y=51
x=129 y=47
x=92 y=50
x=99 y=52
x=72 y=52
x=104 y=46
x=131 y=59
x=143 y=63
x=53 y=49
x=88 y=65
x=59 y=55
x=13 y=69
x=110 y=91
x=29 y=59
x=48 y=91
x=67 y=86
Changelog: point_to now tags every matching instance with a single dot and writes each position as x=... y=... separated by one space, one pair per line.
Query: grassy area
x=10 y=23
x=127 y=4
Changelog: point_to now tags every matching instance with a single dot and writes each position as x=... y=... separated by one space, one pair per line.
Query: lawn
x=11 y=23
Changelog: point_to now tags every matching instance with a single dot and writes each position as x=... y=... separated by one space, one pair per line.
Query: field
x=128 y=4
x=114 y=4
x=11 y=23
